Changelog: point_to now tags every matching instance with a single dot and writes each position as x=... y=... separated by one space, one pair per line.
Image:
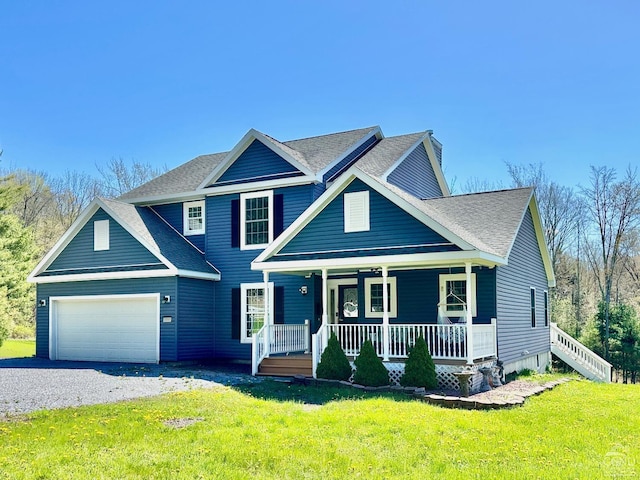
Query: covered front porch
x=392 y=307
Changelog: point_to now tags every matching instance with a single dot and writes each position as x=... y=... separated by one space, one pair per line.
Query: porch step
x=287 y=366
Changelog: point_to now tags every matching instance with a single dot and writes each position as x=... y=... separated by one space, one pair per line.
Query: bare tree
x=118 y=177
x=73 y=192
x=614 y=208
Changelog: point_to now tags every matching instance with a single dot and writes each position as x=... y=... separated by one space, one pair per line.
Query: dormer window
x=193 y=218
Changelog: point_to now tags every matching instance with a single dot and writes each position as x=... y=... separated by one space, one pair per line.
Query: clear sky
x=556 y=82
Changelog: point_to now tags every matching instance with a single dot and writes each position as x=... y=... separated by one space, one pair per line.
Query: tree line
x=36 y=208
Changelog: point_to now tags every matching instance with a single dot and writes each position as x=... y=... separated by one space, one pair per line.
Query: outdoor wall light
x=303 y=290
x=42 y=303
x=166 y=299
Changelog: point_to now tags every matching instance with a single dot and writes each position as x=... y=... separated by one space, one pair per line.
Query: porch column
x=267 y=313
x=325 y=299
x=385 y=315
x=467 y=271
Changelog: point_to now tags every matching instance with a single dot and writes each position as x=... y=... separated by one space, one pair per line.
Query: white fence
x=279 y=338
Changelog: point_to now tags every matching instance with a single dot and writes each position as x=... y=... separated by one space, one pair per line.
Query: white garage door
x=106 y=329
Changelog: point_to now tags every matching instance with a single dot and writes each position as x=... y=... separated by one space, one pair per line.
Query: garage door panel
x=115 y=329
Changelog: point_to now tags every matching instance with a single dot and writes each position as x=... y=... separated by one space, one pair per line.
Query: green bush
x=419 y=369
x=370 y=371
x=334 y=364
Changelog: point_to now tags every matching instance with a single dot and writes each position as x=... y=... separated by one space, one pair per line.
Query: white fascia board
x=241 y=146
x=171 y=198
x=377 y=131
x=542 y=243
x=407 y=152
x=66 y=238
x=437 y=168
x=199 y=275
x=85 y=277
x=440 y=259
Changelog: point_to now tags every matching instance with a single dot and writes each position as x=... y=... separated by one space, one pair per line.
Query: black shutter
x=235 y=223
x=278 y=305
x=278 y=215
x=235 y=314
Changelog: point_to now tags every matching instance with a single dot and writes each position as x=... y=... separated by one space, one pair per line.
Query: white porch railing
x=279 y=338
x=445 y=342
x=579 y=357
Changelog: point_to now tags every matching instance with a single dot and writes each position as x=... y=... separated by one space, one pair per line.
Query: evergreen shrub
x=334 y=364
x=370 y=371
x=419 y=369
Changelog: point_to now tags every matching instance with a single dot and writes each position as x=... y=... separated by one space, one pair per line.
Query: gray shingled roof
x=157 y=233
x=489 y=221
x=314 y=152
x=387 y=152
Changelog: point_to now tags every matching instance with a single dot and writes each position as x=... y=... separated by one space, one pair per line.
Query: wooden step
x=286 y=366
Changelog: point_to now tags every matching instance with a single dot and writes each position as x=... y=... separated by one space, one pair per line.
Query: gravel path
x=29 y=384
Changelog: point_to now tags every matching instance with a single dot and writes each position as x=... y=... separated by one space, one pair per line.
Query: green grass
x=579 y=430
x=17 y=348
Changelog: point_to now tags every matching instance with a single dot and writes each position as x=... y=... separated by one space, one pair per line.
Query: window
x=453 y=294
x=101 y=235
x=256 y=219
x=533 y=307
x=252 y=308
x=356 y=212
x=546 y=308
x=373 y=297
x=193 y=218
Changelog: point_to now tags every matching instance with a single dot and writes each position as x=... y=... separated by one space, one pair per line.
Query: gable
x=390 y=228
x=415 y=175
x=257 y=163
x=124 y=252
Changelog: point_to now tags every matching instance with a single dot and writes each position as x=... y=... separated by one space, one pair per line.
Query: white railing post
x=385 y=315
x=469 y=336
x=307 y=332
x=254 y=355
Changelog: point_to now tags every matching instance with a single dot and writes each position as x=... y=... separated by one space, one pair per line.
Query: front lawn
x=579 y=430
x=17 y=348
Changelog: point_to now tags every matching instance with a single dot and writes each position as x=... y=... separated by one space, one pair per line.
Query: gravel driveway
x=28 y=384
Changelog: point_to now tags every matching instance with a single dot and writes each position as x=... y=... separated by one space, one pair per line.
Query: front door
x=347 y=308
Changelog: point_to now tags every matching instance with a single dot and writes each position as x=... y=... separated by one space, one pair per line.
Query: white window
x=193 y=213
x=546 y=308
x=373 y=299
x=256 y=220
x=454 y=297
x=101 y=235
x=533 y=307
x=252 y=305
x=356 y=212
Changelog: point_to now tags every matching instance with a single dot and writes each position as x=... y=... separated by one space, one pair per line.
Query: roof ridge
x=330 y=134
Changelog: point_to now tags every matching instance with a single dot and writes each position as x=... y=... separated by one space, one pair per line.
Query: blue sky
x=556 y=82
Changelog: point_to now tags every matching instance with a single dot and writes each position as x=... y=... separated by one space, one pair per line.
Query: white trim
x=243 y=307
x=393 y=298
x=185 y=217
x=101 y=235
x=130 y=265
x=443 y=278
x=366 y=249
x=243 y=223
x=123 y=275
x=442 y=259
x=546 y=308
x=356 y=211
x=53 y=330
x=239 y=149
x=335 y=190
x=437 y=168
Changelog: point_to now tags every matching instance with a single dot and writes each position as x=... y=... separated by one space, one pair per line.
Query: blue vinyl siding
x=513 y=284
x=124 y=251
x=173 y=214
x=416 y=176
x=350 y=159
x=256 y=163
x=163 y=286
x=390 y=226
x=195 y=320
x=235 y=267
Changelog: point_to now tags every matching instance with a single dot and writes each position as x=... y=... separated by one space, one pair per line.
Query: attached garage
x=109 y=328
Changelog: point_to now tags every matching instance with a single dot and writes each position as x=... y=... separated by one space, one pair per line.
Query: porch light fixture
x=42 y=303
x=376 y=270
x=166 y=299
x=304 y=290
